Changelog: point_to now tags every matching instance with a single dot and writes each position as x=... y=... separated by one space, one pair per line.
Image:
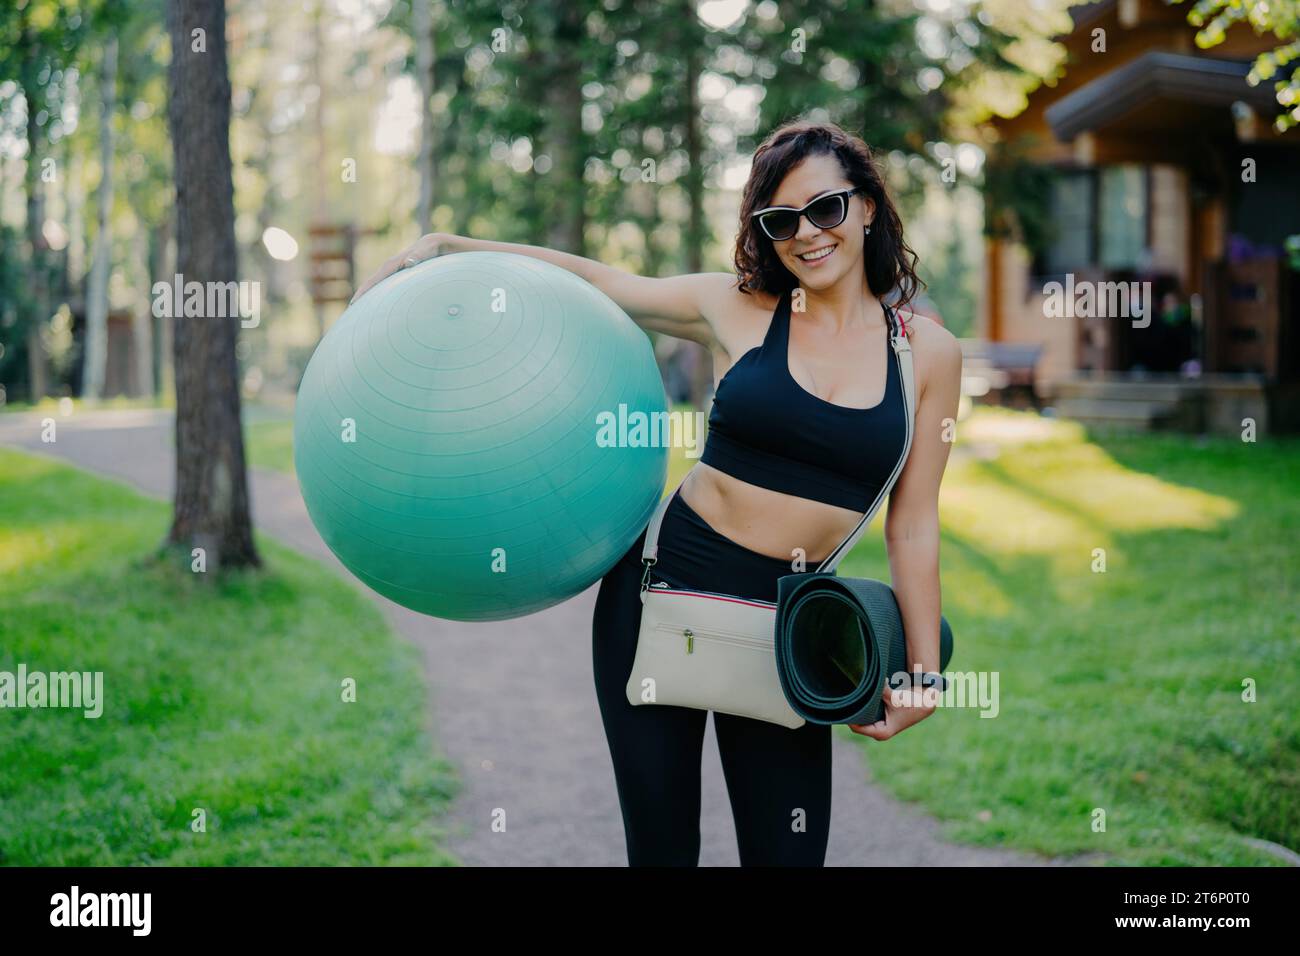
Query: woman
x=807 y=424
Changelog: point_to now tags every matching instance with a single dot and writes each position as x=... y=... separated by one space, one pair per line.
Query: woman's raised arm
x=676 y=305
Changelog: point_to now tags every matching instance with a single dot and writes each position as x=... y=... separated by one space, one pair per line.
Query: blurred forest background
x=618 y=129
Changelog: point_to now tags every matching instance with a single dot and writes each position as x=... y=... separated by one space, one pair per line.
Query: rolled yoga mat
x=838 y=643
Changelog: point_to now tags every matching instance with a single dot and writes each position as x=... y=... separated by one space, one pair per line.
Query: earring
x=866 y=230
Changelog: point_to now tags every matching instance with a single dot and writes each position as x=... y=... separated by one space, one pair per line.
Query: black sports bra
x=767 y=430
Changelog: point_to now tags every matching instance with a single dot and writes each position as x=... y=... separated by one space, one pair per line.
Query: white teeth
x=813 y=257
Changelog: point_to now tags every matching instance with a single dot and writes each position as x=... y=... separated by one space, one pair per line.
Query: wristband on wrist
x=919 y=680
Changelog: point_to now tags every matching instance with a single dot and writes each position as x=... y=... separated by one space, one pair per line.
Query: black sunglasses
x=824 y=212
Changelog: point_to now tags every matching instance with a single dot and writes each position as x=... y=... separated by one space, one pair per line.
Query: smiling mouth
x=816 y=255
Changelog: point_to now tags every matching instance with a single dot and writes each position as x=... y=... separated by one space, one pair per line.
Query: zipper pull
x=690 y=640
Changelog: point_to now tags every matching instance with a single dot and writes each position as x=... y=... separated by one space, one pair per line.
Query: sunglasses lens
x=827 y=213
x=780 y=224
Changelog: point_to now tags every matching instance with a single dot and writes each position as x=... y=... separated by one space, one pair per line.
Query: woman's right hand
x=426 y=247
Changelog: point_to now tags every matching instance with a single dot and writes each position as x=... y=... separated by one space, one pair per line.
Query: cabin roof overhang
x=1158 y=92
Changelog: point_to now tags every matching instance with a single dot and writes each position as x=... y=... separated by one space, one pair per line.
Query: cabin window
x=1122 y=216
x=1072 y=204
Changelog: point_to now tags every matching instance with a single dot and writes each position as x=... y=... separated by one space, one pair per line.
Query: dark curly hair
x=888 y=261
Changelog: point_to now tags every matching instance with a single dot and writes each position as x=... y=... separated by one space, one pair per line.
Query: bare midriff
x=765 y=521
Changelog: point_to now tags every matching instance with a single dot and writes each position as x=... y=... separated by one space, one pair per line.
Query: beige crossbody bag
x=716 y=651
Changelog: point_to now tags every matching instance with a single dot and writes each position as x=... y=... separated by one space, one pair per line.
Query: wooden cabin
x=1165 y=171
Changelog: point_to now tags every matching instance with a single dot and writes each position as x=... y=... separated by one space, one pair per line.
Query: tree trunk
x=321 y=214
x=567 y=226
x=211 y=509
x=161 y=256
x=96 y=342
x=448 y=148
x=533 y=212
x=38 y=266
x=142 y=318
x=425 y=53
x=702 y=365
x=75 y=198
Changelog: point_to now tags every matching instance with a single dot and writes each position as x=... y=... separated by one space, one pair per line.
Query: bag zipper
x=663 y=588
x=718 y=637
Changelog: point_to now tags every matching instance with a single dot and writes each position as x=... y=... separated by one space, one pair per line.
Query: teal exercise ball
x=457 y=436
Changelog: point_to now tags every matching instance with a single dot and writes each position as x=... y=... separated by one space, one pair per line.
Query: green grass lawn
x=269 y=444
x=221 y=694
x=1119 y=690
x=71 y=405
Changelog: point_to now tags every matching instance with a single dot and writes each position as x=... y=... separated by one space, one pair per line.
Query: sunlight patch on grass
x=978 y=510
x=1086 y=480
x=1064 y=497
x=1006 y=428
x=22 y=549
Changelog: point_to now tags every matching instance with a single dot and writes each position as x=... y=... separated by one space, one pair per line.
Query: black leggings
x=779 y=780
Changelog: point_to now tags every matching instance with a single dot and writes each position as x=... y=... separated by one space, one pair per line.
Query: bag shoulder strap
x=903 y=356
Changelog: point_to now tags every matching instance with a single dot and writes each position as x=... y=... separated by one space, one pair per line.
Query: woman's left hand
x=903 y=708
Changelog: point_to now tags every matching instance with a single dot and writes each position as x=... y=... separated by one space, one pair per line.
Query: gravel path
x=545 y=763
